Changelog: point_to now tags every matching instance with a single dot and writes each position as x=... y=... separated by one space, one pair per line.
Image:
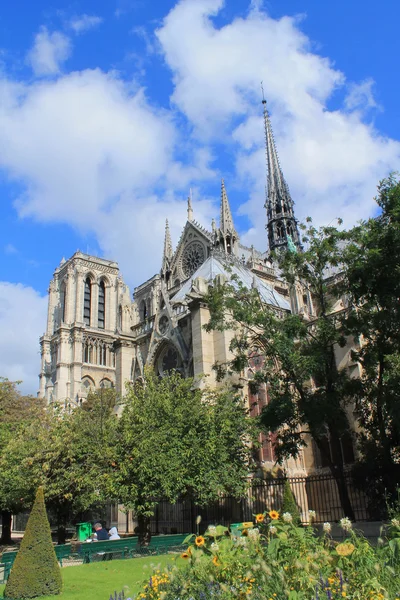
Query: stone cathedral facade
x=98 y=335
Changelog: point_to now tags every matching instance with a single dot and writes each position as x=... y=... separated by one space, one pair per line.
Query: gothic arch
x=106 y=383
x=88 y=384
x=166 y=356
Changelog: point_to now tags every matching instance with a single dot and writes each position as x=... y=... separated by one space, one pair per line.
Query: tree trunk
x=6 y=517
x=144 y=530
x=62 y=517
x=343 y=492
x=338 y=473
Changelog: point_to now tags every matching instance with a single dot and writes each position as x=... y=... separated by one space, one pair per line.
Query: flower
x=312 y=514
x=287 y=517
x=274 y=515
x=254 y=533
x=259 y=518
x=345 y=549
x=212 y=530
x=185 y=555
x=214 y=547
x=395 y=522
x=216 y=561
x=345 y=524
x=272 y=529
x=199 y=541
x=326 y=527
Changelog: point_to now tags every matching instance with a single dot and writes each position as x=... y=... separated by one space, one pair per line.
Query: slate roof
x=216 y=265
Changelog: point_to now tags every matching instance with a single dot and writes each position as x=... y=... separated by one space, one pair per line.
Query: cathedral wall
x=203 y=345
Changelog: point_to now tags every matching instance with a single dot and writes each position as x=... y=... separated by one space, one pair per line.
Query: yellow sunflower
x=259 y=518
x=185 y=555
x=345 y=549
x=199 y=541
x=274 y=515
x=216 y=561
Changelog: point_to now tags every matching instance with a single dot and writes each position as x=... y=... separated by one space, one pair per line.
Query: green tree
x=177 y=441
x=373 y=284
x=17 y=412
x=36 y=571
x=74 y=455
x=308 y=394
x=70 y=453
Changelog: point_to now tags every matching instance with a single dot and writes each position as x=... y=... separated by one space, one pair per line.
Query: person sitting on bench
x=101 y=533
x=113 y=533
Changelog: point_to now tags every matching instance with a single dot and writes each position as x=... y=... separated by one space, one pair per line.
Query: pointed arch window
x=280 y=229
x=63 y=297
x=87 y=301
x=102 y=306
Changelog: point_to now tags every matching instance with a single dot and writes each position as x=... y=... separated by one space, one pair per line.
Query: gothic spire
x=281 y=223
x=168 y=251
x=226 y=238
x=225 y=221
x=190 y=207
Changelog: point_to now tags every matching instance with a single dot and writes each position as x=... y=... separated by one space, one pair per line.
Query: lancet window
x=87 y=300
x=63 y=298
x=101 y=306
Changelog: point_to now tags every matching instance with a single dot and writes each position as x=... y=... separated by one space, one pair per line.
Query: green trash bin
x=83 y=531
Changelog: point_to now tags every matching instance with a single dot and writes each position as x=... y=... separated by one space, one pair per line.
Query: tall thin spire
x=189 y=206
x=281 y=222
x=225 y=221
x=168 y=251
x=227 y=237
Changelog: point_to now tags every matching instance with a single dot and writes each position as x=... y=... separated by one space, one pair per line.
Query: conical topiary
x=36 y=571
x=289 y=503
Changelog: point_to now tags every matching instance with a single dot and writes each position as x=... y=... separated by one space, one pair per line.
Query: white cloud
x=49 y=51
x=84 y=22
x=22 y=321
x=94 y=152
x=92 y=149
x=361 y=95
x=332 y=159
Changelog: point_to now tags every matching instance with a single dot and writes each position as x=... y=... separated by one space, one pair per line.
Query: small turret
x=167 y=254
x=227 y=235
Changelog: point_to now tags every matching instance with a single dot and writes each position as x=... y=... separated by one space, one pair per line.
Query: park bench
x=6 y=562
x=107 y=550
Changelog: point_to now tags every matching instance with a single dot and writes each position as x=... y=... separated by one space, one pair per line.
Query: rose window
x=192 y=258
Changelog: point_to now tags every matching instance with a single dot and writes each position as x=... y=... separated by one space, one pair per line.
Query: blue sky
x=111 y=111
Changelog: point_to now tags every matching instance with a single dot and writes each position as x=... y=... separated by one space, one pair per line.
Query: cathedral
x=98 y=336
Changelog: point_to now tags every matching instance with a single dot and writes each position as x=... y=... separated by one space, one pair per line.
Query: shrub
x=36 y=571
x=289 y=504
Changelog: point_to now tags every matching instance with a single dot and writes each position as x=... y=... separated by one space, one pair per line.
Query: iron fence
x=316 y=492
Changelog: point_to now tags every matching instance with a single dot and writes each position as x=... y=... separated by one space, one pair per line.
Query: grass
x=97 y=581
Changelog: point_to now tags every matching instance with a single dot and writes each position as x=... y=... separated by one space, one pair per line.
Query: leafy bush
x=36 y=571
x=289 y=504
x=278 y=560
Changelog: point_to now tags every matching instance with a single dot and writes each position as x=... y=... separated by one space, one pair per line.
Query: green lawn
x=97 y=581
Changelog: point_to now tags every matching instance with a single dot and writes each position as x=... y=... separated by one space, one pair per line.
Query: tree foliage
x=308 y=393
x=372 y=281
x=36 y=571
x=174 y=441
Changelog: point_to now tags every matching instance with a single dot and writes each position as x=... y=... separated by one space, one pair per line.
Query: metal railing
x=316 y=492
